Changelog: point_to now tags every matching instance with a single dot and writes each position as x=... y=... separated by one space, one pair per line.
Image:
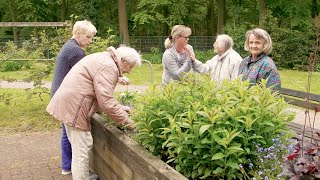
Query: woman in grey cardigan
x=175 y=60
x=224 y=65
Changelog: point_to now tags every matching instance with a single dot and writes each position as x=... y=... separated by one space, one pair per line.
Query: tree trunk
x=13 y=19
x=133 y=6
x=123 y=21
x=314 y=8
x=166 y=29
x=221 y=15
x=262 y=12
x=63 y=10
x=210 y=19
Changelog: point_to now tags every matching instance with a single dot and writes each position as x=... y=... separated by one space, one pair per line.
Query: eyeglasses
x=187 y=38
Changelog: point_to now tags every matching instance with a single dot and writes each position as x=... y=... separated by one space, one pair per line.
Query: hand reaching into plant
x=129 y=124
x=126 y=108
x=124 y=80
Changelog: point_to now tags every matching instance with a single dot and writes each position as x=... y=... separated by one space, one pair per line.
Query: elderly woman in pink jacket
x=89 y=86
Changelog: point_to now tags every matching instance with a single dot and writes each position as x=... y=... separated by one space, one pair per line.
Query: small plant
x=269 y=160
x=128 y=98
x=304 y=161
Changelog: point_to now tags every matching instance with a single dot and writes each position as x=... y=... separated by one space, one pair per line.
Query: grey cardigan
x=175 y=65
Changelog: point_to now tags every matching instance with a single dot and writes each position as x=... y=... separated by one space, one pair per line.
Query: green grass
x=24 y=114
x=22 y=74
x=297 y=80
x=142 y=75
x=291 y=79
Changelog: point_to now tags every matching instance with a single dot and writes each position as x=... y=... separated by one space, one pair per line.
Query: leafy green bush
x=10 y=66
x=204 y=56
x=205 y=130
x=155 y=57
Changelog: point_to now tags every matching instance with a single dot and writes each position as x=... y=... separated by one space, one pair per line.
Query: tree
x=211 y=30
x=262 y=12
x=123 y=21
x=63 y=10
x=221 y=15
x=314 y=8
x=13 y=19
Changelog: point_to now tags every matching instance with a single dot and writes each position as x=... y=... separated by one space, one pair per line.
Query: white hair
x=130 y=55
x=224 y=41
x=262 y=35
x=84 y=27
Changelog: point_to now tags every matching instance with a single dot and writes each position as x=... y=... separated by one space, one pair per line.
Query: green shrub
x=155 y=57
x=204 y=56
x=11 y=66
x=206 y=130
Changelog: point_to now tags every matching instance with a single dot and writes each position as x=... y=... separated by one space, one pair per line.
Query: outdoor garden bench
x=298 y=98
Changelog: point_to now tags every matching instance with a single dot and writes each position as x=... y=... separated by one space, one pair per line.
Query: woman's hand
x=126 y=108
x=190 y=54
x=124 y=80
x=129 y=124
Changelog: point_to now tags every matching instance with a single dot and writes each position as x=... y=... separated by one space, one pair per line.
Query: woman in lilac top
x=259 y=65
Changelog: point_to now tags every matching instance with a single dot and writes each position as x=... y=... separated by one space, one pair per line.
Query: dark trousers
x=66 y=150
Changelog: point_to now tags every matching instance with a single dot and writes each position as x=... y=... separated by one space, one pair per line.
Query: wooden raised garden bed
x=116 y=156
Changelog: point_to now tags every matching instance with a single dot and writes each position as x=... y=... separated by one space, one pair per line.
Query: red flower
x=292 y=156
x=316 y=109
x=310 y=151
x=311 y=168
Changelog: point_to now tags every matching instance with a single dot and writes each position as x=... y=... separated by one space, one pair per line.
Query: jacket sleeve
x=199 y=67
x=273 y=79
x=170 y=63
x=235 y=69
x=104 y=83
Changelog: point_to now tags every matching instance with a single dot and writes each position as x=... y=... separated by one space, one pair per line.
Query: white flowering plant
x=128 y=97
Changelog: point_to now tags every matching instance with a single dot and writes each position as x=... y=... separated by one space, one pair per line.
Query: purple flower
x=250 y=165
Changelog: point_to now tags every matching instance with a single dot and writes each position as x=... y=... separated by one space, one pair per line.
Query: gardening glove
x=124 y=80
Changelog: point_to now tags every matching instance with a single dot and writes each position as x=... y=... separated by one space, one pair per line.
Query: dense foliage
x=204 y=129
x=290 y=23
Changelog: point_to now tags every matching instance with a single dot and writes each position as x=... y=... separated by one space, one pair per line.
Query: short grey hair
x=130 y=55
x=177 y=30
x=262 y=35
x=226 y=41
x=84 y=27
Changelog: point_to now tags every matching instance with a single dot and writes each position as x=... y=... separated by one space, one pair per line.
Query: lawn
x=298 y=80
x=24 y=114
x=291 y=79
